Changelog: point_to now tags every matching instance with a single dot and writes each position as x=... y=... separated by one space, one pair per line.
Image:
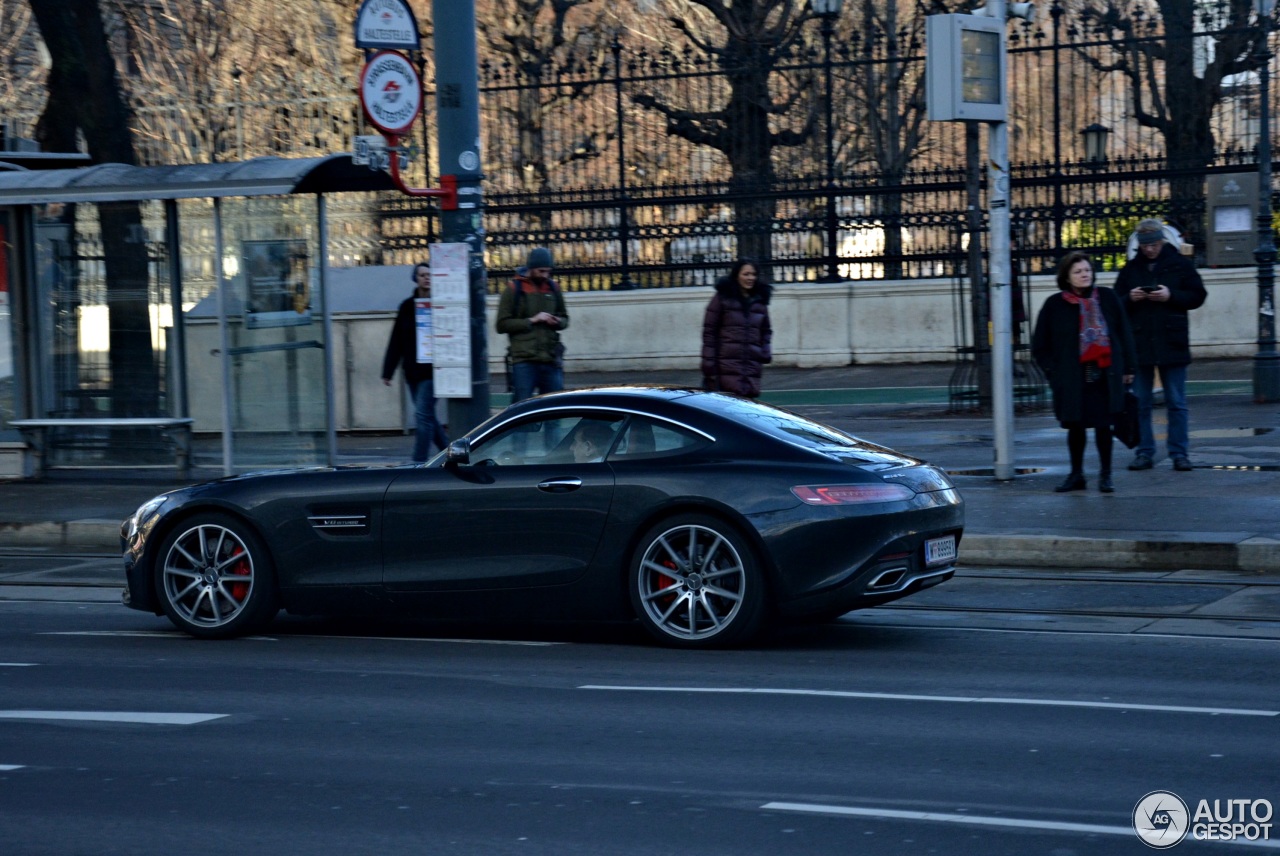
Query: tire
x=696 y=583
x=214 y=578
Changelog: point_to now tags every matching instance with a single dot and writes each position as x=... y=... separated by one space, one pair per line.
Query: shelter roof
x=267 y=176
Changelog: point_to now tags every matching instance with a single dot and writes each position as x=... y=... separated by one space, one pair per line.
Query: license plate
x=938 y=550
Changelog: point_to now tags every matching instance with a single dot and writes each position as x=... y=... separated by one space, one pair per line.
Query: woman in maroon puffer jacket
x=737 y=339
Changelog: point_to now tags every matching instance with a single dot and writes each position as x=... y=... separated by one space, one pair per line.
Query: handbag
x=1124 y=424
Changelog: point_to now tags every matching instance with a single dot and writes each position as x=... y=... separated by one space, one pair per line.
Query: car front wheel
x=695 y=583
x=214 y=578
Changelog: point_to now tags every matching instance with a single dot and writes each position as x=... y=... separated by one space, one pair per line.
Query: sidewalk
x=1224 y=515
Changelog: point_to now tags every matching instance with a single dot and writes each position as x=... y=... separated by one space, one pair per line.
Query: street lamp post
x=235 y=77
x=829 y=11
x=1266 y=363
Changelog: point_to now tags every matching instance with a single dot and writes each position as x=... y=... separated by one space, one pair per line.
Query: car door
x=522 y=513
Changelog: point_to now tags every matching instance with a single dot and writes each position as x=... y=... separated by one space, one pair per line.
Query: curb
x=91 y=535
x=1257 y=554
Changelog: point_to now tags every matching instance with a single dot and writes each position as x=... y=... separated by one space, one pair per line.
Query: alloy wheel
x=692 y=582
x=208 y=576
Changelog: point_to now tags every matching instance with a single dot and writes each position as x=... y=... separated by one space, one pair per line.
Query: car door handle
x=560 y=485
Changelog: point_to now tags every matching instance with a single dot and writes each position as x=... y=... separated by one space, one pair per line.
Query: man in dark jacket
x=531 y=313
x=1159 y=286
x=402 y=350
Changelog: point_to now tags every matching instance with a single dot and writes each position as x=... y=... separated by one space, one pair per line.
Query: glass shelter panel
x=273 y=359
x=103 y=323
x=7 y=356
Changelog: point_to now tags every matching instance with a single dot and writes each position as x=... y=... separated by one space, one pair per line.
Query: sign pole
x=967 y=81
x=1001 y=297
x=458 y=142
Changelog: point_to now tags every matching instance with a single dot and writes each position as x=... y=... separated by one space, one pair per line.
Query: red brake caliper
x=240 y=569
x=665 y=581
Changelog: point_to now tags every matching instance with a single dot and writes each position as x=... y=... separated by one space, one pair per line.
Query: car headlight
x=144 y=512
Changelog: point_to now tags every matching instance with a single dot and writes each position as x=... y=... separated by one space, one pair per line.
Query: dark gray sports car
x=703 y=516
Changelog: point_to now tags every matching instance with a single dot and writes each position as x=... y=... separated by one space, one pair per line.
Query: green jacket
x=531 y=343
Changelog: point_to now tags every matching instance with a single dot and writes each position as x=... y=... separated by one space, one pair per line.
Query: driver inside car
x=591 y=442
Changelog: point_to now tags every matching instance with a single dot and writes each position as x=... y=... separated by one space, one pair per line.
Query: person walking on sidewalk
x=402 y=350
x=737 y=338
x=1083 y=344
x=1159 y=287
x=532 y=313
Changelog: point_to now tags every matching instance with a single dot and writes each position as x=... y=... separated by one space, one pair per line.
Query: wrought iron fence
x=584 y=160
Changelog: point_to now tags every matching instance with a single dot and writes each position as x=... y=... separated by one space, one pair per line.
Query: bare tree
x=24 y=64
x=537 y=40
x=196 y=66
x=749 y=39
x=1176 y=79
x=85 y=98
x=887 y=89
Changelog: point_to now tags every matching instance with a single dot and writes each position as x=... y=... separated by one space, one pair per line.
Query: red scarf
x=1095 y=344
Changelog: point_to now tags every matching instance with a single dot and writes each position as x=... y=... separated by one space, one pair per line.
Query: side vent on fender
x=340 y=523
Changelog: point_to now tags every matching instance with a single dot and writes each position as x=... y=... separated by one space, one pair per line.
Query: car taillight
x=851 y=494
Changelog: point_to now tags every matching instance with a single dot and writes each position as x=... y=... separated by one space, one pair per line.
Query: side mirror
x=459 y=452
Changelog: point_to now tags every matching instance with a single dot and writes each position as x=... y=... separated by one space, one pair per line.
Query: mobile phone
x=1148 y=288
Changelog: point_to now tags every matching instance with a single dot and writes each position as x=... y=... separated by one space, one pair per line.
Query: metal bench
x=34 y=433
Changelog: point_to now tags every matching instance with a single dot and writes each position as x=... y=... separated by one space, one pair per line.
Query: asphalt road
x=945 y=729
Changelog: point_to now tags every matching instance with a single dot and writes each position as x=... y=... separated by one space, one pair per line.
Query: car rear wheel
x=215 y=579
x=695 y=583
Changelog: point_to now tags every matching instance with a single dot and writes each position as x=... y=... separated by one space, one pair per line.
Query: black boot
x=1104 y=483
x=1073 y=481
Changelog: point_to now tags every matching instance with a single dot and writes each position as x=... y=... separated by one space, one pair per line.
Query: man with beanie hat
x=1159 y=286
x=531 y=313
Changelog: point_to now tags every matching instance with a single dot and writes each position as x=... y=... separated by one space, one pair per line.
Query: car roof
x=659 y=399
x=630 y=391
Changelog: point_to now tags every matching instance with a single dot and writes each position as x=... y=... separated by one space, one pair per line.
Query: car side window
x=648 y=438
x=556 y=440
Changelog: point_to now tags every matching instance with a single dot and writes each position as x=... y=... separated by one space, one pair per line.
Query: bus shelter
x=99 y=269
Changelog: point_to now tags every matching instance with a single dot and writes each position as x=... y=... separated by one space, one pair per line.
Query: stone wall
x=652 y=330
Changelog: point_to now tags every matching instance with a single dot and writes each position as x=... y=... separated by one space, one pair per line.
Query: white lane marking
x=153 y=634
x=112 y=602
x=4 y=768
x=1045 y=702
x=1138 y=633
x=440 y=639
x=113 y=716
x=15 y=665
x=980 y=820
x=976 y=820
x=174 y=634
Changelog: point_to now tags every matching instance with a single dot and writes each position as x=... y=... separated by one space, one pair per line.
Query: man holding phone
x=531 y=312
x=1159 y=286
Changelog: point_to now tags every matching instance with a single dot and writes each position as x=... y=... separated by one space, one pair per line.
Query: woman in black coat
x=737 y=339
x=1083 y=342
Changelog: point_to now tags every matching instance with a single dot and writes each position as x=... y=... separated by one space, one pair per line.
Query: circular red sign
x=390 y=92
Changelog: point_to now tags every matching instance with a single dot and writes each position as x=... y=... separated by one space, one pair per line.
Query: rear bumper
x=899 y=570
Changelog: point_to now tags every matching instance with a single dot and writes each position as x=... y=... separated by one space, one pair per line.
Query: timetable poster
x=451 y=319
